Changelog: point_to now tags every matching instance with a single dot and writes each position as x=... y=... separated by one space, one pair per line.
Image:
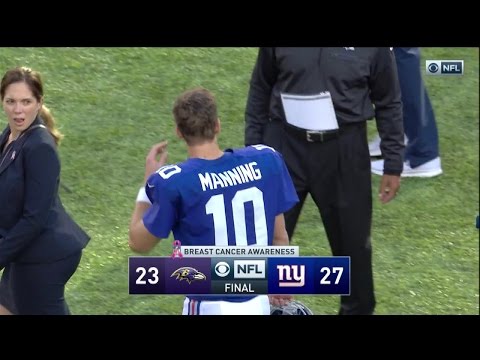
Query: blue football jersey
x=232 y=200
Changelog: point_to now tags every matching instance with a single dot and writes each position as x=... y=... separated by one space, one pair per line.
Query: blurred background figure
x=422 y=157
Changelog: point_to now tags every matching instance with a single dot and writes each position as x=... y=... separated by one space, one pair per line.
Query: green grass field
x=114 y=103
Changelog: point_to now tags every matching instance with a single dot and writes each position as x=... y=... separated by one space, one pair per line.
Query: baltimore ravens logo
x=188 y=273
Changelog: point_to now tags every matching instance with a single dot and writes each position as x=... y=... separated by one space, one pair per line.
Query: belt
x=311 y=135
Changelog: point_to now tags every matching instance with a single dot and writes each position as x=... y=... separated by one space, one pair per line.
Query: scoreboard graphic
x=239 y=276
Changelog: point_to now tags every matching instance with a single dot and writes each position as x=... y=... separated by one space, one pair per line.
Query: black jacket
x=34 y=226
x=363 y=83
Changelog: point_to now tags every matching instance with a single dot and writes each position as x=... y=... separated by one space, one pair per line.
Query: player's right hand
x=151 y=163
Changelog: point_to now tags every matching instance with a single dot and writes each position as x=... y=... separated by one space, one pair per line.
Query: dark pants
x=336 y=173
x=418 y=116
x=37 y=289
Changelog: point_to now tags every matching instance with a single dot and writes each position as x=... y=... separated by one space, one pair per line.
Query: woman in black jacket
x=40 y=244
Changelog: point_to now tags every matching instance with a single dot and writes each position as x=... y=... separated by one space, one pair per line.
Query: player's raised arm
x=140 y=239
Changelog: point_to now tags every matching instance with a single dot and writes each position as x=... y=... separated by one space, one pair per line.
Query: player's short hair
x=195 y=113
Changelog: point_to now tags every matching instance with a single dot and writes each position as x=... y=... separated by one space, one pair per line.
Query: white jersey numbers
x=216 y=206
x=168 y=170
x=261 y=147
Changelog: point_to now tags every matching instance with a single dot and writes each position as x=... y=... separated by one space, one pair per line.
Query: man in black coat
x=312 y=104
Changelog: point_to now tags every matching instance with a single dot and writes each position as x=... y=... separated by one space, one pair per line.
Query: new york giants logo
x=291 y=275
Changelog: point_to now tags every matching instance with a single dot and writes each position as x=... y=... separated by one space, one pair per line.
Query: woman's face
x=20 y=106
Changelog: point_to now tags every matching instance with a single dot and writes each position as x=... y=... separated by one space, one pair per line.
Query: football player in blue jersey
x=215 y=198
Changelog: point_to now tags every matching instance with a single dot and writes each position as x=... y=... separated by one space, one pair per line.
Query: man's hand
x=389 y=187
x=151 y=162
x=280 y=300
